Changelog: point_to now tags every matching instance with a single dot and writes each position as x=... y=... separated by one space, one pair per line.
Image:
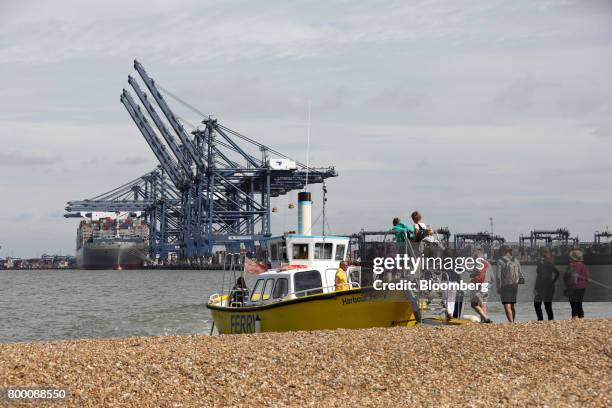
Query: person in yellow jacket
x=341 y=279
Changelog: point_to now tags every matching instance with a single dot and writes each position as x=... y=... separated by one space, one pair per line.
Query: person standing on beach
x=576 y=279
x=507 y=279
x=450 y=298
x=479 y=298
x=544 y=290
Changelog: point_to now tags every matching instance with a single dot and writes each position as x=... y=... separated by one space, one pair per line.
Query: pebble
x=555 y=364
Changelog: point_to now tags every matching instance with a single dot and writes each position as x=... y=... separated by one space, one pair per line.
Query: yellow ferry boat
x=301 y=294
x=298 y=292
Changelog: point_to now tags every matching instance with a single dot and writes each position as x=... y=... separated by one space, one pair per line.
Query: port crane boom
x=176 y=125
x=158 y=149
x=174 y=147
x=212 y=187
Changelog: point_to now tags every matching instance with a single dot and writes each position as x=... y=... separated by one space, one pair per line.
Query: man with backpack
x=508 y=277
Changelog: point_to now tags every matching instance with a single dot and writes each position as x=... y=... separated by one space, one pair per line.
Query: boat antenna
x=307 y=148
x=324 y=202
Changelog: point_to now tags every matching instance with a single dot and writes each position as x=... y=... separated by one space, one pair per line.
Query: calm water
x=66 y=304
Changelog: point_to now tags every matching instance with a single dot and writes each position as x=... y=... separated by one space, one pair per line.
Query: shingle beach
x=562 y=363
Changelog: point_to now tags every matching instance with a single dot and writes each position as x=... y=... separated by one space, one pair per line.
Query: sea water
x=71 y=304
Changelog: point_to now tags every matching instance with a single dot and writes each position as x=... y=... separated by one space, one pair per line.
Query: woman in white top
x=421 y=231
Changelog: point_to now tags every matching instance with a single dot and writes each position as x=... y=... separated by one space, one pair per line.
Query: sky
x=464 y=110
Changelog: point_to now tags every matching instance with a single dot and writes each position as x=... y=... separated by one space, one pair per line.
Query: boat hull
x=347 y=310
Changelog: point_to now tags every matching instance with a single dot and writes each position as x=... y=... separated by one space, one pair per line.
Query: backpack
x=510 y=272
x=420 y=233
x=481 y=276
x=575 y=277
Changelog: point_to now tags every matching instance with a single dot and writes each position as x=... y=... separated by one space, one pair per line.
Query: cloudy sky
x=463 y=110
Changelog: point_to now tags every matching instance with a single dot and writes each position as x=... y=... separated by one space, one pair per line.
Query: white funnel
x=304 y=213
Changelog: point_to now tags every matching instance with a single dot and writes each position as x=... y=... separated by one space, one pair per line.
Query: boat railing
x=232 y=261
x=226 y=295
x=306 y=292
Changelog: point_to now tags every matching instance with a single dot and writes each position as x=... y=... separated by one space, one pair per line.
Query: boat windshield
x=267 y=292
x=257 y=289
x=281 y=288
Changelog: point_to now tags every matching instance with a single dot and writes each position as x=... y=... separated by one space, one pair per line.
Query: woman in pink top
x=576 y=279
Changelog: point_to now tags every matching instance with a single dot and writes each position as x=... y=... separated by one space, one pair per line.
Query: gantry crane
x=599 y=235
x=483 y=238
x=561 y=235
x=212 y=187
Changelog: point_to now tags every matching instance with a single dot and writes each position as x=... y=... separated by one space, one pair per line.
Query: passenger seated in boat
x=238 y=292
x=402 y=230
x=341 y=279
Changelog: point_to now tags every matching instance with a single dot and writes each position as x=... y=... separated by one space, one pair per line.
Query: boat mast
x=324 y=201
x=307 y=149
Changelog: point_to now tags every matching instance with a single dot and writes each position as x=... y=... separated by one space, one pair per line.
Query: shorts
x=508 y=294
x=479 y=298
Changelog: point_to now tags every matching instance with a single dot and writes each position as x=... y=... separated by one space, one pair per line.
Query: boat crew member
x=341 y=279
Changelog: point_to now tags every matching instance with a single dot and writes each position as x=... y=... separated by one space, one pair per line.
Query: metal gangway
x=429 y=305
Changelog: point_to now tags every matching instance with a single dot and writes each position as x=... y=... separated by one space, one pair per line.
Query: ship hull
x=111 y=255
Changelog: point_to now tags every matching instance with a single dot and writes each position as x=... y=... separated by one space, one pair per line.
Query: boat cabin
x=309 y=250
x=278 y=285
x=302 y=265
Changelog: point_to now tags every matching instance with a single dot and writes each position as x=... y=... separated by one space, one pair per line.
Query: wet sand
x=564 y=363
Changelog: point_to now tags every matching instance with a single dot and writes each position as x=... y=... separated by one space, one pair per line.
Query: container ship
x=110 y=243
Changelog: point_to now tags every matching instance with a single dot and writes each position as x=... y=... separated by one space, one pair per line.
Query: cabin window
x=323 y=250
x=300 y=251
x=281 y=288
x=274 y=252
x=340 y=252
x=307 y=283
x=268 y=289
x=256 y=295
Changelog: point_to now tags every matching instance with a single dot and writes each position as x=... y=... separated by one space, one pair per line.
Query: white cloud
x=132 y=161
x=416 y=103
x=26 y=159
